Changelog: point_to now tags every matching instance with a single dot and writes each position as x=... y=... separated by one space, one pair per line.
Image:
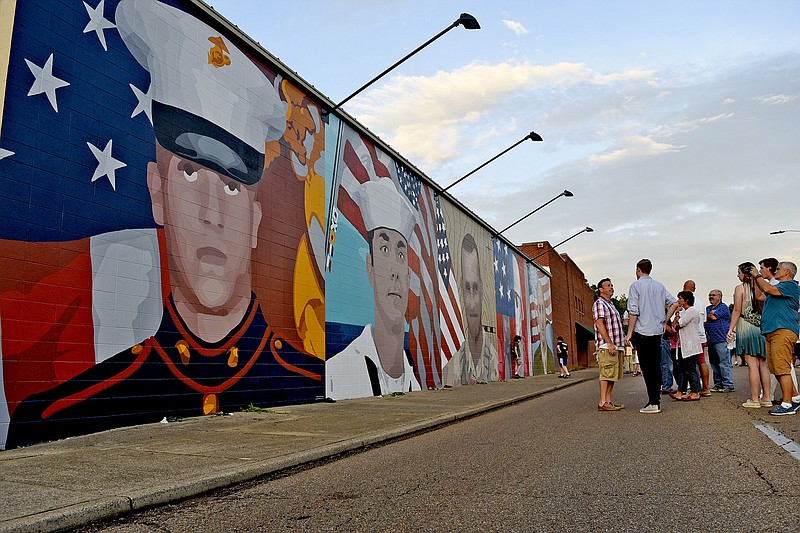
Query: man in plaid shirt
x=610 y=341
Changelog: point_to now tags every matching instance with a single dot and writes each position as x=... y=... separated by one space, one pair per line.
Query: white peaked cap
x=383 y=206
x=211 y=103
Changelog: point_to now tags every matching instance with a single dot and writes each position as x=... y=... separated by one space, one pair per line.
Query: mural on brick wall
x=541 y=321
x=183 y=234
x=392 y=303
x=163 y=241
x=476 y=361
x=511 y=297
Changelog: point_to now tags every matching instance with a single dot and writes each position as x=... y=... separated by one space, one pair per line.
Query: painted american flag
x=436 y=331
x=511 y=302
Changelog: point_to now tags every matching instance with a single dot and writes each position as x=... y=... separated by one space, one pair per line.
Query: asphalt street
x=550 y=463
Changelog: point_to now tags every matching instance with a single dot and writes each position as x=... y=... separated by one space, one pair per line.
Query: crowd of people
x=681 y=344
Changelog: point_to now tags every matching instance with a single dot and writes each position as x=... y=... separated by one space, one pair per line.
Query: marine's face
x=211 y=226
x=388 y=273
x=472 y=289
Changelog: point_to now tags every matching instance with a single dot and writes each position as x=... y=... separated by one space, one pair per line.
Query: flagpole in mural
x=532 y=136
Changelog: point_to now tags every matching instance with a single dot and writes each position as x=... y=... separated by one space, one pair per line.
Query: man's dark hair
x=600 y=283
x=770 y=263
x=468 y=244
x=645 y=266
x=688 y=297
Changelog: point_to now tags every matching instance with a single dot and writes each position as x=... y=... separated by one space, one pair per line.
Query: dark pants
x=649 y=350
x=689 y=374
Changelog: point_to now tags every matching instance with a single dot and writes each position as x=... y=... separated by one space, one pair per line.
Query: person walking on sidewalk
x=563 y=357
x=718 y=321
x=650 y=306
x=610 y=344
x=779 y=325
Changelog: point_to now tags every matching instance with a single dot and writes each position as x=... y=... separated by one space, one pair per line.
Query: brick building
x=572 y=302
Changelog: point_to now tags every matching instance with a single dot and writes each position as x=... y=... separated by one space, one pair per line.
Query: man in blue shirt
x=718 y=320
x=779 y=326
x=650 y=306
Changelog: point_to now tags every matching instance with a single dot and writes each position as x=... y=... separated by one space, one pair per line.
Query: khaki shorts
x=610 y=364
x=780 y=346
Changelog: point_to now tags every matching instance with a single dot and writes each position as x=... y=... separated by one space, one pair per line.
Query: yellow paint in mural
x=309 y=305
x=233 y=357
x=183 y=349
x=305 y=136
x=217 y=54
x=210 y=404
x=7 y=11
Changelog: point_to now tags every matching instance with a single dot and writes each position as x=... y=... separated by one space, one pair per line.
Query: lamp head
x=777 y=232
x=567 y=193
x=534 y=136
x=468 y=21
x=587 y=229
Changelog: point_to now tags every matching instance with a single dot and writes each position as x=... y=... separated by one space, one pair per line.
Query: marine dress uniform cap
x=383 y=206
x=211 y=103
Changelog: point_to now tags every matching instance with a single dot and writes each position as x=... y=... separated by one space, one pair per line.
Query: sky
x=675 y=124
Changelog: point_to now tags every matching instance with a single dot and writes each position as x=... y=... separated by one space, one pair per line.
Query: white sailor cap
x=383 y=206
x=211 y=103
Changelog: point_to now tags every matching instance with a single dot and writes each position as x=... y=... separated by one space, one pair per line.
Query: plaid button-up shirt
x=605 y=310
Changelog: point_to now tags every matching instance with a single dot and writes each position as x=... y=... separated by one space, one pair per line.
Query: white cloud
x=636 y=146
x=426 y=118
x=516 y=27
x=777 y=99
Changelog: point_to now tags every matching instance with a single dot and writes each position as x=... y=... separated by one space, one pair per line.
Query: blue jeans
x=666 y=366
x=720 y=360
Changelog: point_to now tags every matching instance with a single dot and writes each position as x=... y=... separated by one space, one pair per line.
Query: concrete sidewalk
x=63 y=484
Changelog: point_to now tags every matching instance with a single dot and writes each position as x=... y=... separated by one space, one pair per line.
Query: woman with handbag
x=746 y=324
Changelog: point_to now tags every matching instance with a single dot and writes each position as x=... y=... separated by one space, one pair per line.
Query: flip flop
x=690 y=399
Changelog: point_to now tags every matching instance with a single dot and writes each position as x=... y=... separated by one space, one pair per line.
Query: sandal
x=690 y=398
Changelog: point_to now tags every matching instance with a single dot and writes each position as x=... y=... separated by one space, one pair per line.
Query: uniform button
x=183 y=349
x=278 y=344
x=210 y=404
x=233 y=357
x=137 y=349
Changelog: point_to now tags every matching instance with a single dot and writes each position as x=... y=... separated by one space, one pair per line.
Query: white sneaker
x=650 y=409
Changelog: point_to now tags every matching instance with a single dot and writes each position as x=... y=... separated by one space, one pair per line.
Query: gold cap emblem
x=218 y=54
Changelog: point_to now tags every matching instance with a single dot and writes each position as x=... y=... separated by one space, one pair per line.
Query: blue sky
x=674 y=123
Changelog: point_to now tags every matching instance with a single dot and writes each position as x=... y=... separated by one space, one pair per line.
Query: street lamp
x=532 y=136
x=587 y=229
x=784 y=231
x=468 y=21
x=565 y=193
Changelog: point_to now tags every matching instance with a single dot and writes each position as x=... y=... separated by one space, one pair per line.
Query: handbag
x=752 y=316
